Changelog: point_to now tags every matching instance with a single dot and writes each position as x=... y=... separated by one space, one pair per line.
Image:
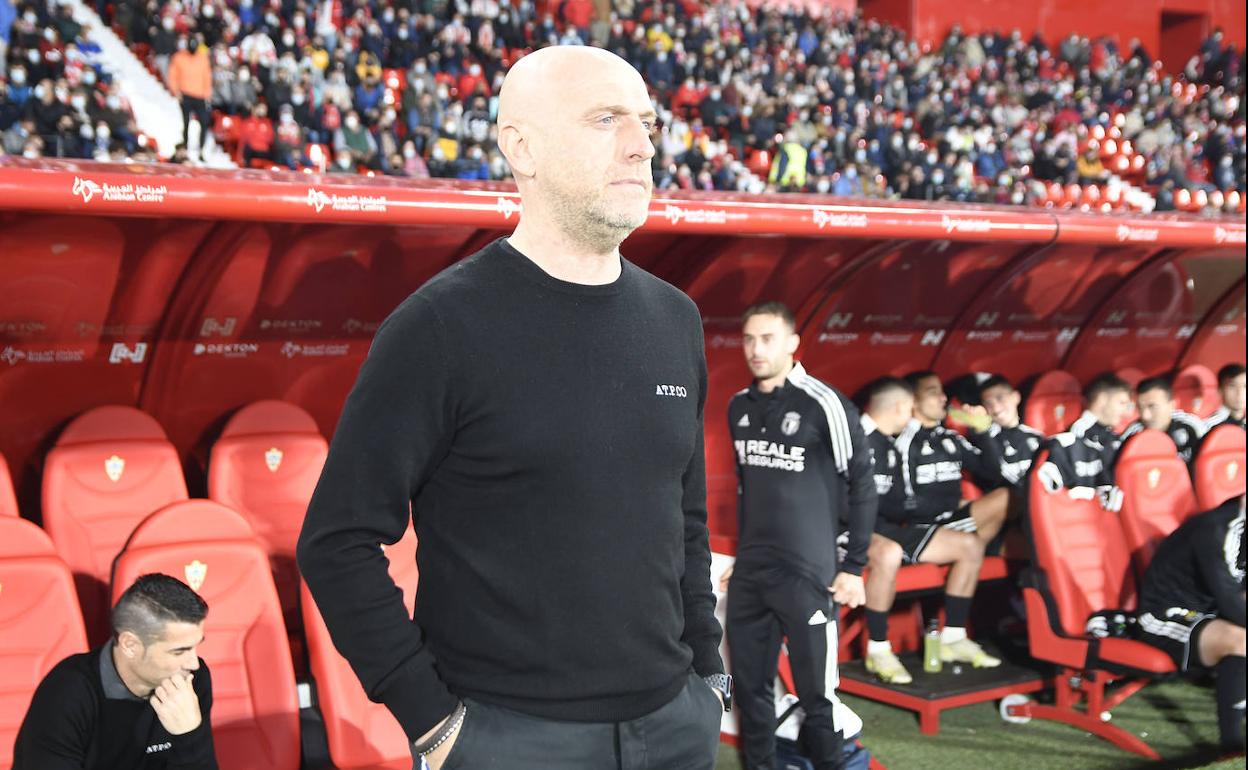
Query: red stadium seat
x=1081 y=567
x=255 y=713
x=40 y=623
x=1055 y=401
x=1196 y=390
x=361 y=733
x=110 y=468
x=8 y=500
x=1157 y=492
x=1219 y=468
x=265 y=466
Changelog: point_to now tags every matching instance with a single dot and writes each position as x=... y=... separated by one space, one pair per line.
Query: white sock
x=874 y=647
x=952 y=634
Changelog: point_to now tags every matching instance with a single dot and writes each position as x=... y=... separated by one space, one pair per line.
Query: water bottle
x=931 y=648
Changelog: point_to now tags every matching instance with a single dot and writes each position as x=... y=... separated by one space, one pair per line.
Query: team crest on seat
x=792 y=421
x=1154 y=478
x=114 y=467
x=1232 y=470
x=1059 y=411
x=195 y=572
x=273 y=459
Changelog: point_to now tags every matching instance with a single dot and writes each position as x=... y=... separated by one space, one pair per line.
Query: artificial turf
x=1175 y=718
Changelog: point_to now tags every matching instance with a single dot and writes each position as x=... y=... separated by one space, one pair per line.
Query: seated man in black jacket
x=140 y=702
x=922 y=517
x=1192 y=607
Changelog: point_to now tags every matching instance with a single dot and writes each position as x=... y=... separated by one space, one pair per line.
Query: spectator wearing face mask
x=19 y=88
x=355 y=140
x=190 y=81
x=413 y=165
x=164 y=44
x=46 y=109
x=256 y=136
x=14 y=139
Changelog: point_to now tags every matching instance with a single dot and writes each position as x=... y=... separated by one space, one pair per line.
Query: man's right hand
x=437 y=757
x=724 y=578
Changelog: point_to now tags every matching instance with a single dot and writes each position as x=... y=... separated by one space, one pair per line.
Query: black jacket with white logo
x=933 y=460
x=1185 y=430
x=1017 y=447
x=804 y=475
x=1200 y=567
x=886 y=465
x=1083 y=458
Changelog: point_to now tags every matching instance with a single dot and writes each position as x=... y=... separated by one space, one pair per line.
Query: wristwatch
x=721 y=683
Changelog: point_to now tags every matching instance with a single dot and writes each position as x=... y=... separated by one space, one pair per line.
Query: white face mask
x=103 y=131
x=113 y=102
x=409 y=152
x=19 y=77
x=353 y=123
x=29 y=17
x=78 y=101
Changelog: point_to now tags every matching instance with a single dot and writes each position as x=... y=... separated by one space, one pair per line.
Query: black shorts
x=913 y=537
x=1175 y=632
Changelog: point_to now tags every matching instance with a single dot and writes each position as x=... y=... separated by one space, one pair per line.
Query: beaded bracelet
x=448 y=729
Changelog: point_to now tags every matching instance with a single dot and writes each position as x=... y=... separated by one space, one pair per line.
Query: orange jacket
x=190 y=74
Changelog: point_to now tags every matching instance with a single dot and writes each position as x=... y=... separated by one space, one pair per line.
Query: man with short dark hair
x=1016 y=442
x=927 y=521
x=1082 y=458
x=1232 y=387
x=804 y=484
x=1154 y=398
x=140 y=702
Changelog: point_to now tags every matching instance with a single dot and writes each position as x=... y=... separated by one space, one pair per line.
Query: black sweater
x=548 y=438
x=805 y=476
x=83 y=718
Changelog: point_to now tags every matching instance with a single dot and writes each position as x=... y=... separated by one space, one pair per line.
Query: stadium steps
x=156 y=111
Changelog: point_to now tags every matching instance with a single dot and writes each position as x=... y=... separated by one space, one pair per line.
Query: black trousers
x=199 y=109
x=766 y=607
x=681 y=735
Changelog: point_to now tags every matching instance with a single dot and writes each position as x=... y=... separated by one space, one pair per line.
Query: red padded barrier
x=361 y=733
x=8 y=500
x=1196 y=390
x=1219 y=468
x=1055 y=401
x=40 y=623
x=255 y=713
x=110 y=468
x=1156 y=493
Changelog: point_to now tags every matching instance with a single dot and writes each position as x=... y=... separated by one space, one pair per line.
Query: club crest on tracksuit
x=792 y=421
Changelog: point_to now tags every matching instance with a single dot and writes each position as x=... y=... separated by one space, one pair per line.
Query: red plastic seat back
x=1196 y=390
x=1219 y=468
x=8 y=500
x=1082 y=552
x=361 y=733
x=1055 y=401
x=110 y=468
x=40 y=623
x=1157 y=492
x=265 y=466
x=255 y=714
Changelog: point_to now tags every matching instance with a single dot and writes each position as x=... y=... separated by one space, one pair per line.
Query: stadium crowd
x=749 y=100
